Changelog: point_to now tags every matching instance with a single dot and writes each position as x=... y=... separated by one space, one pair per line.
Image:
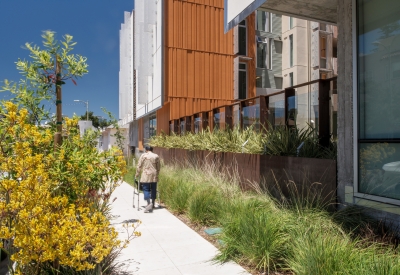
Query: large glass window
x=322 y=49
x=378 y=31
x=197 y=123
x=152 y=126
x=242 y=80
x=262 y=52
x=242 y=38
x=264 y=21
x=182 y=126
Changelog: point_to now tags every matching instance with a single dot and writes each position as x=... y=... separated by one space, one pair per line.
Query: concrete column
x=345 y=102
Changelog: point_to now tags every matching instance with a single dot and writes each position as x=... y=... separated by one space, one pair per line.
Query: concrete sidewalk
x=167 y=246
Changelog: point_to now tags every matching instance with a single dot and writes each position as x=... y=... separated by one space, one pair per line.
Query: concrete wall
x=345 y=103
x=300 y=51
x=109 y=140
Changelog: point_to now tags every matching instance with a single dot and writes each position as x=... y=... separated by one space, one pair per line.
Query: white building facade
x=126 y=71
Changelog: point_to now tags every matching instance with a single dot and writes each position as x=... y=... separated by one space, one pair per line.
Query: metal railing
x=298 y=106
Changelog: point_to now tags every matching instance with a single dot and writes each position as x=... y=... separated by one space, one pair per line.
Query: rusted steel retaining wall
x=276 y=173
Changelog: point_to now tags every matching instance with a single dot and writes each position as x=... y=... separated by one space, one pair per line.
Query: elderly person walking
x=149 y=165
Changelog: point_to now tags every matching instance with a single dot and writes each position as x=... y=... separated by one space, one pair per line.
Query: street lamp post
x=87 y=107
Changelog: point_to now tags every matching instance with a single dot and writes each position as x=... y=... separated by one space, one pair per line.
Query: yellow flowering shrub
x=52 y=201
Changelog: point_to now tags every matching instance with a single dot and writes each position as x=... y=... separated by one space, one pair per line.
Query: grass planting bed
x=294 y=235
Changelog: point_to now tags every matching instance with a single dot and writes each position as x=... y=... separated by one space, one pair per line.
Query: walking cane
x=137 y=188
x=133 y=200
x=138 y=193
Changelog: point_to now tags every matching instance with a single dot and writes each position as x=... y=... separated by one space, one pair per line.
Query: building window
x=290 y=23
x=197 y=123
x=378 y=98
x=262 y=52
x=264 y=21
x=182 y=126
x=259 y=81
x=291 y=50
x=322 y=54
x=152 y=126
x=291 y=83
x=242 y=80
x=242 y=38
x=270 y=54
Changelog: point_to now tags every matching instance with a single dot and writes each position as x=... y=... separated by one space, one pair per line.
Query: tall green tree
x=97 y=121
x=41 y=77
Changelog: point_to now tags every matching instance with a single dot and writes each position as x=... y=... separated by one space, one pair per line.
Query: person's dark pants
x=150 y=191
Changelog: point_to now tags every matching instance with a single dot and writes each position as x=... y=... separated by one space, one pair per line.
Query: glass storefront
x=378 y=33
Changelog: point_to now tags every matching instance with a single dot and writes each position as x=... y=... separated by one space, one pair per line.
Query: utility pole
x=87 y=107
x=58 y=134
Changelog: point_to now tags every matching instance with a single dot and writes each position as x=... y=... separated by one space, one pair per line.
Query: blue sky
x=94 y=25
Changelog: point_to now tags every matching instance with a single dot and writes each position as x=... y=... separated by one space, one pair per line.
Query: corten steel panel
x=304 y=176
x=199 y=57
x=163 y=119
x=251 y=52
x=243 y=166
x=140 y=133
x=308 y=175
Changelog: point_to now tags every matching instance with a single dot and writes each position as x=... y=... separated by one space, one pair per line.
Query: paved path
x=167 y=246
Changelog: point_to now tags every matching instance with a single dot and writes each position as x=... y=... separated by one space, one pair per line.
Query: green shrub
x=129 y=177
x=254 y=233
x=166 y=186
x=180 y=192
x=297 y=234
x=317 y=253
x=205 y=205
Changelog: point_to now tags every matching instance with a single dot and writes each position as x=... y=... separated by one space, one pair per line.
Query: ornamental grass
x=298 y=234
x=276 y=141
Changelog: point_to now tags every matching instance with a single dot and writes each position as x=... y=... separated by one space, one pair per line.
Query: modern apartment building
x=368 y=47
x=292 y=51
x=127 y=103
x=185 y=66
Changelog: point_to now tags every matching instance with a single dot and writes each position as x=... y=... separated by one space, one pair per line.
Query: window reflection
x=379 y=97
x=152 y=126
x=251 y=113
x=197 y=123
x=379 y=169
x=276 y=108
